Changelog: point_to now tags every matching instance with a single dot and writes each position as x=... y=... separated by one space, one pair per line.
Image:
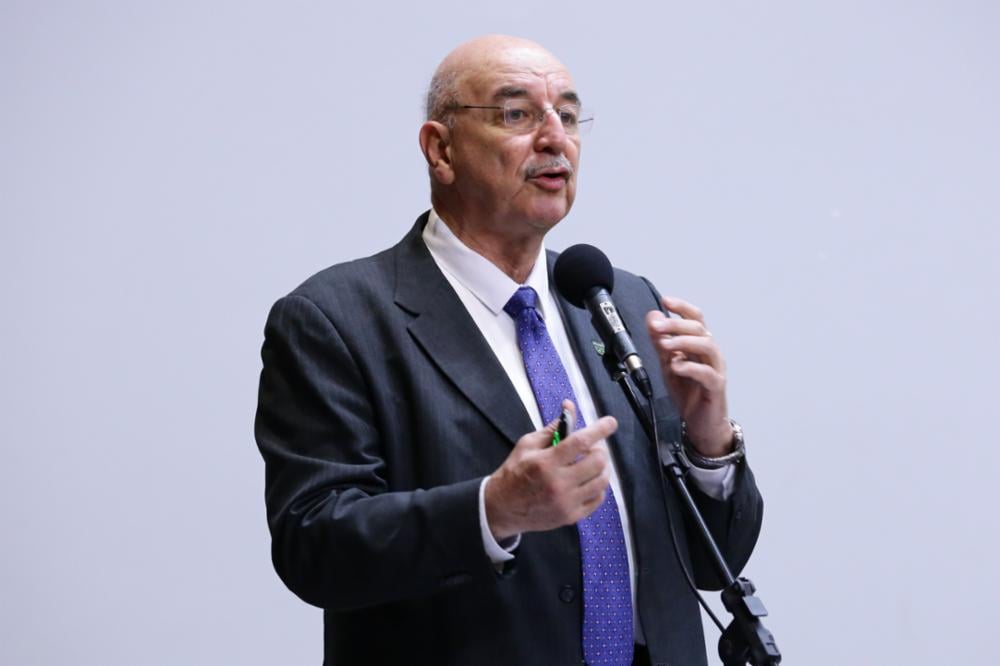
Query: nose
x=551 y=136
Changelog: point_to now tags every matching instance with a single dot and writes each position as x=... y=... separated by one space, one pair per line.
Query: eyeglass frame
x=539 y=119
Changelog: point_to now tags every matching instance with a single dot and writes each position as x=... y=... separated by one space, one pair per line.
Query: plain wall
x=821 y=178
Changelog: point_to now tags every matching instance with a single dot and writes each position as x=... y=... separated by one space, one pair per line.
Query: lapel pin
x=598 y=347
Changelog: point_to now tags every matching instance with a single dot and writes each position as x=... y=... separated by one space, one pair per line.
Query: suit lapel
x=608 y=396
x=443 y=328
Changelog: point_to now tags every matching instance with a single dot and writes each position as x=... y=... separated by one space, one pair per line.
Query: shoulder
x=341 y=284
x=338 y=302
x=630 y=285
x=362 y=285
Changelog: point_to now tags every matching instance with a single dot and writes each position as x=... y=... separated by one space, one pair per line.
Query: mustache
x=560 y=162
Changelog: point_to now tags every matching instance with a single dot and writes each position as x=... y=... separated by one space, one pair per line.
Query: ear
x=435 y=143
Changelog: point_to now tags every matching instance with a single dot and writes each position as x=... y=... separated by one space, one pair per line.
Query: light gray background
x=821 y=179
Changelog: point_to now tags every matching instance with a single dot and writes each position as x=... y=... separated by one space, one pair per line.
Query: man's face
x=519 y=183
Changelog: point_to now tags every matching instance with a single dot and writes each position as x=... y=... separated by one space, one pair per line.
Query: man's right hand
x=541 y=487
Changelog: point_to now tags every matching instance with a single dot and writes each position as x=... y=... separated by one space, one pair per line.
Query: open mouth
x=551 y=178
x=551 y=181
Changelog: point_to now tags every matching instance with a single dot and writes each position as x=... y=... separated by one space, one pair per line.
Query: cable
x=670 y=522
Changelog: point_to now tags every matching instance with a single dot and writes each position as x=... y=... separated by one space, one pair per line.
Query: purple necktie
x=607 y=594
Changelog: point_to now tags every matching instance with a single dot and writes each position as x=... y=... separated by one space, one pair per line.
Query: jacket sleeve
x=734 y=524
x=341 y=538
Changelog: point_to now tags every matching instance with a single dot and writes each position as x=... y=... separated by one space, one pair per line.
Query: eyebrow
x=508 y=92
x=512 y=92
x=571 y=96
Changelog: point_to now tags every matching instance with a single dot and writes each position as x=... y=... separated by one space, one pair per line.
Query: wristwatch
x=704 y=462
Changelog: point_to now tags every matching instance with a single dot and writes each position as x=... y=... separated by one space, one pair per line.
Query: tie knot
x=523 y=298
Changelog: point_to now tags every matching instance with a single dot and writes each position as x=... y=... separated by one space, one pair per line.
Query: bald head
x=475 y=57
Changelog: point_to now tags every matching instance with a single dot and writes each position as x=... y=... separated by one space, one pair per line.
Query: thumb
x=544 y=438
x=539 y=439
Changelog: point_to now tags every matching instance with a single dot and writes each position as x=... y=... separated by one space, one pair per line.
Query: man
x=406 y=417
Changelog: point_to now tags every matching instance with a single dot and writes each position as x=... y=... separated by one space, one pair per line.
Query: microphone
x=584 y=277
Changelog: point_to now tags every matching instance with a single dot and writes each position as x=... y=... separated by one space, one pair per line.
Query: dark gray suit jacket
x=381 y=409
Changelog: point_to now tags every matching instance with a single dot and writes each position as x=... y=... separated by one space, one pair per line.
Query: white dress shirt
x=484 y=290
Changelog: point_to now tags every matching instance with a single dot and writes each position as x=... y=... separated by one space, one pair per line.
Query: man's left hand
x=695 y=374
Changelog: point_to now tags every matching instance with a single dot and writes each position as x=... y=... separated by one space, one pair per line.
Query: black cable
x=670 y=522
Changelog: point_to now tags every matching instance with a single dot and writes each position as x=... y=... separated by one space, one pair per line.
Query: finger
x=539 y=439
x=592 y=497
x=582 y=440
x=659 y=324
x=682 y=308
x=595 y=486
x=695 y=348
x=588 y=496
x=703 y=374
x=578 y=445
x=591 y=465
x=570 y=410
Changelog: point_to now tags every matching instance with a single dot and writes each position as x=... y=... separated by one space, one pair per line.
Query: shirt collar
x=490 y=285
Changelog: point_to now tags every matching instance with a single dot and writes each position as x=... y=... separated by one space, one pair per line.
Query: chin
x=549 y=215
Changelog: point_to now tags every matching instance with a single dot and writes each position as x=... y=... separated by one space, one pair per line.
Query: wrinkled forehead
x=517 y=73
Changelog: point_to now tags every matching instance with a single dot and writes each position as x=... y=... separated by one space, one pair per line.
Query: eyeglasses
x=521 y=115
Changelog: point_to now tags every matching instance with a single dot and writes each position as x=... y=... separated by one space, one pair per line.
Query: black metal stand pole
x=745 y=640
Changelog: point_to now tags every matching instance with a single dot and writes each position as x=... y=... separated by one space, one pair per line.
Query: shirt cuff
x=497 y=552
x=716 y=483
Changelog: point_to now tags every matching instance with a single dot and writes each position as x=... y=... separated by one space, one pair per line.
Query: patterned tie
x=607 y=595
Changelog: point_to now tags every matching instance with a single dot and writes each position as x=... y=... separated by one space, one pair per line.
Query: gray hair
x=442 y=97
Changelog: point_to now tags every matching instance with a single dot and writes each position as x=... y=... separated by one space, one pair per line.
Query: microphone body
x=585 y=278
x=608 y=323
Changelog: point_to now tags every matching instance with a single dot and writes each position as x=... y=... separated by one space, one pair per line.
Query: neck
x=514 y=256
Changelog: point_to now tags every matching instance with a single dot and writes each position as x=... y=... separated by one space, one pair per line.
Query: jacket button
x=567 y=594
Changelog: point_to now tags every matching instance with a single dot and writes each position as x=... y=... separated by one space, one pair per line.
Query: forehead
x=517 y=72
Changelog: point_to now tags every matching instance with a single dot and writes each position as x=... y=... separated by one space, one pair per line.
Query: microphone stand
x=745 y=640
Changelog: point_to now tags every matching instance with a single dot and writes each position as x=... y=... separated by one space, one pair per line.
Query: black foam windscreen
x=580 y=269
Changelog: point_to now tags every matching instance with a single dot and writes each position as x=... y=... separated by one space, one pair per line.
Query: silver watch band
x=704 y=462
